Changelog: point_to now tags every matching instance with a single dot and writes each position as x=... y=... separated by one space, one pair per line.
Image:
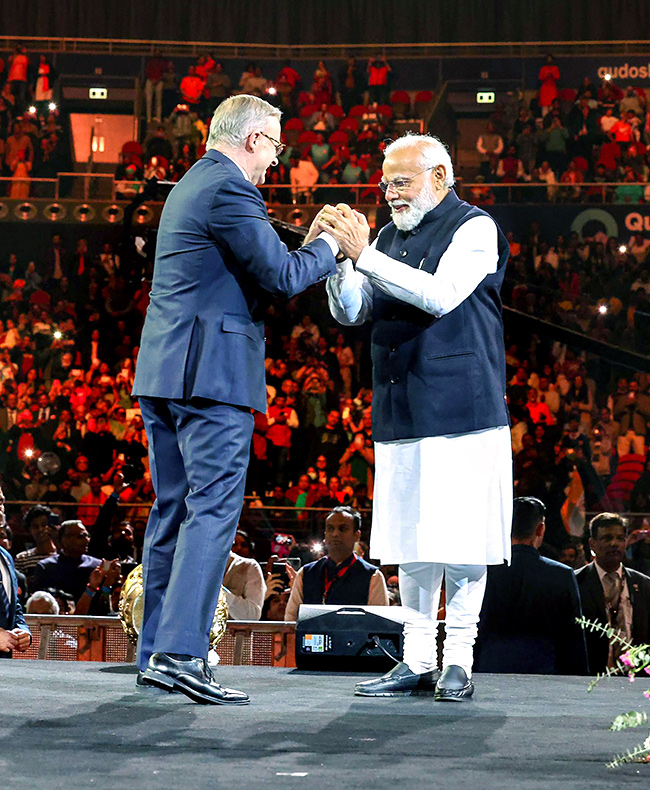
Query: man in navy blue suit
x=14 y=631
x=200 y=374
x=528 y=620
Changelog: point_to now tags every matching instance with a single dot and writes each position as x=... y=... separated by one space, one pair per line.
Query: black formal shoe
x=399 y=682
x=454 y=685
x=142 y=686
x=193 y=678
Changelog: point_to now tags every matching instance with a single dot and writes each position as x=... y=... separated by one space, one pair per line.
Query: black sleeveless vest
x=437 y=376
x=351 y=588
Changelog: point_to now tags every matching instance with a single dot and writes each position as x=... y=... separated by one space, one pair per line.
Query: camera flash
x=602 y=309
x=622 y=248
x=58 y=335
x=29 y=452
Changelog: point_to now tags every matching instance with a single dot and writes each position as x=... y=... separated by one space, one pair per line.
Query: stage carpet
x=82 y=725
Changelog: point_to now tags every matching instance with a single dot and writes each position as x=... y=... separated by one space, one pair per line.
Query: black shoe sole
x=409 y=693
x=163 y=681
x=454 y=696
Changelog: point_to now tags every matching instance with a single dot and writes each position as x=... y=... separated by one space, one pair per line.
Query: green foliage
x=634 y=660
x=627 y=720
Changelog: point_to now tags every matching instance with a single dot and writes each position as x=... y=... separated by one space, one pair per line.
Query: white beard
x=417 y=207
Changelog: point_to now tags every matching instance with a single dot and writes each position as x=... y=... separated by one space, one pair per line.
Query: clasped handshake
x=348 y=226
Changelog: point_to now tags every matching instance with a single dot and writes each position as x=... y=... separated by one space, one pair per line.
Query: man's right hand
x=8 y=641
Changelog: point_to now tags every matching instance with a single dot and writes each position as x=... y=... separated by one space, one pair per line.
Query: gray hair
x=41 y=595
x=236 y=118
x=431 y=152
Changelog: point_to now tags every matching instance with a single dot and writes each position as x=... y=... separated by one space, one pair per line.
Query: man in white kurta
x=443 y=497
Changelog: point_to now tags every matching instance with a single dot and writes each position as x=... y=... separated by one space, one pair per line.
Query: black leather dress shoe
x=193 y=678
x=143 y=687
x=399 y=682
x=454 y=685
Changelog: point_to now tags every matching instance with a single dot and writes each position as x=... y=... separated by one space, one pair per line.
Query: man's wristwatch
x=340 y=256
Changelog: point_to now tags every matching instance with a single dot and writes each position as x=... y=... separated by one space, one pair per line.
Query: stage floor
x=81 y=725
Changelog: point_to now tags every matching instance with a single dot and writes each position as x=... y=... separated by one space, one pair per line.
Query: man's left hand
x=314 y=229
x=23 y=640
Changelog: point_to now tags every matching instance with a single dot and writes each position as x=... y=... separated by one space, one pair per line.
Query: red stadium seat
x=422 y=97
x=400 y=97
x=132 y=147
x=338 y=138
x=294 y=124
x=385 y=110
x=336 y=110
x=308 y=138
x=349 y=125
x=358 y=110
x=401 y=102
x=309 y=109
x=581 y=163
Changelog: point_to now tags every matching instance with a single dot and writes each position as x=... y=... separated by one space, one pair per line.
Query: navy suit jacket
x=16 y=616
x=527 y=623
x=593 y=608
x=217 y=260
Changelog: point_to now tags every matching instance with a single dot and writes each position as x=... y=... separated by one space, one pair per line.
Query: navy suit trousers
x=199 y=452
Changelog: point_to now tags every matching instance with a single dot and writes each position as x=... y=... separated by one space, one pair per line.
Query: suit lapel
x=594 y=589
x=13 y=583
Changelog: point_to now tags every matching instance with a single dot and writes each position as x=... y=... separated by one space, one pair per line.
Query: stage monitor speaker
x=349 y=638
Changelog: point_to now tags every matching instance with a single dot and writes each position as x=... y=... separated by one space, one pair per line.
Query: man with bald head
x=430 y=285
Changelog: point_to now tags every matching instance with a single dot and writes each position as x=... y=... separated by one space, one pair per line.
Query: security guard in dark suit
x=612 y=594
x=528 y=619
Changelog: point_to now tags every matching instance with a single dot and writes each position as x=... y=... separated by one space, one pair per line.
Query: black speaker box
x=344 y=638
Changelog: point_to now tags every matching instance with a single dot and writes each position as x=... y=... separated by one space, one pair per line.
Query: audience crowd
x=33 y=140
x=568 y=140
x=335 y=124
x=72 y=437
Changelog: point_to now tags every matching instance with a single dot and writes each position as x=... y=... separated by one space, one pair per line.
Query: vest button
x=394 y=379
x=393 y=347
x=403 y=253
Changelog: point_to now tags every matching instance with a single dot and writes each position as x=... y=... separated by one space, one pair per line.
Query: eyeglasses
x=279 y=147
x=400 y=184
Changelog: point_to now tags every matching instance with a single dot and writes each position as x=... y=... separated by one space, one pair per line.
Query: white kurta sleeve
x=349 y=294
x=469 y=258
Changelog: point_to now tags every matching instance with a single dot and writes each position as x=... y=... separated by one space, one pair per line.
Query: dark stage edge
x=82 y=725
